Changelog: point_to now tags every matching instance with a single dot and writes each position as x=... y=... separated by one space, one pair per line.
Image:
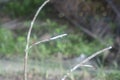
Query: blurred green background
x=100 y=18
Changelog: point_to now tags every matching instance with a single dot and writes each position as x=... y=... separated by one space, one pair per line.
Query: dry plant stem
x=84 y=61
x=28 y=39
x=46 y=40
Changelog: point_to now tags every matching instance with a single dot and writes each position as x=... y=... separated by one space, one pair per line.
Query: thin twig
x=46 y=40
x=84 y=61
x=28 y=38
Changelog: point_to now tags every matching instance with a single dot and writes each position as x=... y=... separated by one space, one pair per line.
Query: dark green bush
x=23 y=7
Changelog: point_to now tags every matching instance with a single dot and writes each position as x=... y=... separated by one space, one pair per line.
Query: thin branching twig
x=28 y=39
x=46 y=40
x=84 y=61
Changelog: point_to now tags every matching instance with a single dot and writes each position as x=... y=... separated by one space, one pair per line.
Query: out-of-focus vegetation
x=10 y=43
x=96 y=15
x=96 y=19
x=13 y=42
x=113 y=76
x=72 y=45
x=24 y=8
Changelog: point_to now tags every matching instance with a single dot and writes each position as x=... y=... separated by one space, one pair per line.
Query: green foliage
x=72 y=45
x=9 y=44
x=7 y=40
x=113 y=76
x=24 y=7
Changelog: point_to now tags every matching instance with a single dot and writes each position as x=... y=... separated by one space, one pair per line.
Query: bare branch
x=84 y=61
x=46 y=40
x=28 y=39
